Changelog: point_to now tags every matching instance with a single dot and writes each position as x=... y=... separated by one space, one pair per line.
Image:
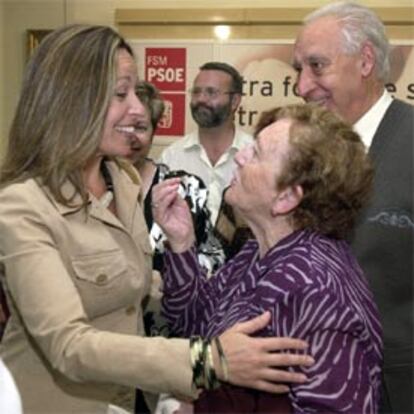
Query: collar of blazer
x=115 y=167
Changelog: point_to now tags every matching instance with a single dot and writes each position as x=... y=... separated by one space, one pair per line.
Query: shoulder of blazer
x=399 y=110
x=394 y=135
x=399 y=117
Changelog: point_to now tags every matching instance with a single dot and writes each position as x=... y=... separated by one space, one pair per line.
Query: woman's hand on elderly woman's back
x=171 y=213
x=261 y=363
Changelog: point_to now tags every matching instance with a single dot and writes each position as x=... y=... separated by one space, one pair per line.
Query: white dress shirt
x=189 y=155
x=368 y=124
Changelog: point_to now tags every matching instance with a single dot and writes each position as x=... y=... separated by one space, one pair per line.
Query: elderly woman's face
x=125 y=110
x=259 y=165
x=142 y=140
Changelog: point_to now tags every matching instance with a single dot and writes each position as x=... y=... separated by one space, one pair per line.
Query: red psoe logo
x=166 y=68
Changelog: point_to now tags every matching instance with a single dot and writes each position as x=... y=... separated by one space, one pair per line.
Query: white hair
x=359 y=25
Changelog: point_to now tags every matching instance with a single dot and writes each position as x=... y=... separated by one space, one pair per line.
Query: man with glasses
x=209 y=151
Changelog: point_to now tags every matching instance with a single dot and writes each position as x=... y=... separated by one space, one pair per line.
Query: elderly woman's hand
x=253 y=362
x=172 y=214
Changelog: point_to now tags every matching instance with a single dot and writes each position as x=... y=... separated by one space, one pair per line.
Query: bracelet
x=197 y=361
x=204 y=374
x=210 y=376
x=223 y=361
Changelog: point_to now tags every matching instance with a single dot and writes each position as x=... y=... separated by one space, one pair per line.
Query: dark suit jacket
x=383 y=243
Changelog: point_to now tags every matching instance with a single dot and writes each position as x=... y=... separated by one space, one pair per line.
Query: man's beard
x=209 y=116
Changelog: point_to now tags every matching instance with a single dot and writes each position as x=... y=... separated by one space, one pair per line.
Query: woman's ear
x=287 y=200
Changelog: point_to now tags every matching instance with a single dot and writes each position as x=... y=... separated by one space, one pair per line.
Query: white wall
x=18 y=17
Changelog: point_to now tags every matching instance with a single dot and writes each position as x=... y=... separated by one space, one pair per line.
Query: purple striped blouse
x=315 y=290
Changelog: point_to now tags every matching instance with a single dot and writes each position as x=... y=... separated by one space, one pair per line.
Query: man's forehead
x=312 y=57
x=308 y=49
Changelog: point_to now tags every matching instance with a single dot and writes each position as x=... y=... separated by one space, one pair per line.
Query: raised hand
x=172 y=214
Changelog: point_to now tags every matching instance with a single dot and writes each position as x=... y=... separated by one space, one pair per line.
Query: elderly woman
x=299 y=188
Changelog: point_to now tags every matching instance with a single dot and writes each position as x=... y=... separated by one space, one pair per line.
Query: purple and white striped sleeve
x=189 y=297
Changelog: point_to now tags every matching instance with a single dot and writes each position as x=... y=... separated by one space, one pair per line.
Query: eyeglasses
x=209 y=92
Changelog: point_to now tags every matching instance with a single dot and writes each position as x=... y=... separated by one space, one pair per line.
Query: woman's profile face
x=125 y=112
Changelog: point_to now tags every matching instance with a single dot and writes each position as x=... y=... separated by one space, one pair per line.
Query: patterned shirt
x=315 y=291
x=192 y=189
x=187 y=153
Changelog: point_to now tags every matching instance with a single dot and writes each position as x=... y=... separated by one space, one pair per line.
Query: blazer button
x=130 y=310
x=101 y=279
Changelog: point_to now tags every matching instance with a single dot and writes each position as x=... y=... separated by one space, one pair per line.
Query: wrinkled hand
x=172 y=214
x=253 y=363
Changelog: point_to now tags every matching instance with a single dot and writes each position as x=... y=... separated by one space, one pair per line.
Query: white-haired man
x=342 y=59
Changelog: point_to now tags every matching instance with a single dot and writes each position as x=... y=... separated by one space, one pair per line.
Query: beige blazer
x=75 y=286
